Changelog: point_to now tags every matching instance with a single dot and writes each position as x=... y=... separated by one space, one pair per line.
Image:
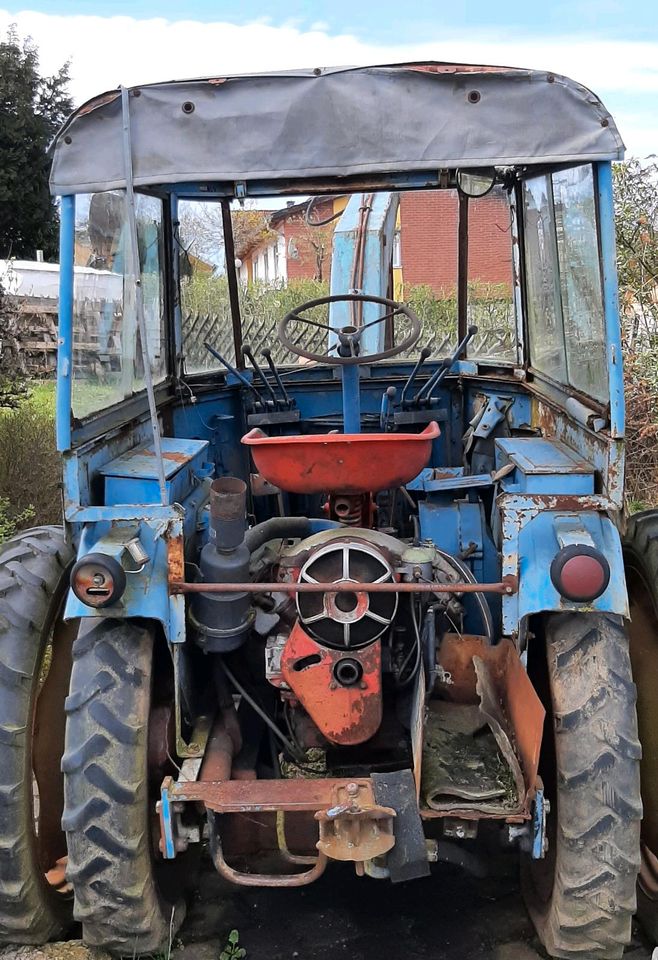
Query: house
x=285 y=246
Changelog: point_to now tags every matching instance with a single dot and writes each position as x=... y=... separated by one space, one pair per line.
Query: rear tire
x=108 y=815
x=581 y=897
x=34 y=671
x=641 y=562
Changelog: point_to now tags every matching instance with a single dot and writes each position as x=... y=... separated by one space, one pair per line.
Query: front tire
x=581 y=897
x=35 y=652
x=641 y=563
x=109 y=802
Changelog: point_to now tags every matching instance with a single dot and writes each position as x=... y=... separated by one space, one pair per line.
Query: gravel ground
x=448 y=917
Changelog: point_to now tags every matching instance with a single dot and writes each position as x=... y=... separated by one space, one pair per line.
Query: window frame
x=554 y=385
x=136 y=406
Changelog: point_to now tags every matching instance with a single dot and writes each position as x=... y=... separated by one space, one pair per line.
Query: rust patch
x=510 y=692
x=350 y=831
x=544 y=418
x=457 y=68
x=169 y=455
x=175 y=561
x=262 y=796
x=456 y=658
x=98 y=102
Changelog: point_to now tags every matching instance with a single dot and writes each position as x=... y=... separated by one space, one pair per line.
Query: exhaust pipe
x=224 y=620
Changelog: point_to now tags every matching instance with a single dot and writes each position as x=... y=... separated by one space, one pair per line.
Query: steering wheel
x=349 y=338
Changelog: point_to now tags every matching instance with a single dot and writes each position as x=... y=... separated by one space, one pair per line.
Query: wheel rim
x=643 y=641
x=46 y=749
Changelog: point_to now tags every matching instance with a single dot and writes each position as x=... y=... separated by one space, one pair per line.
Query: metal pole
x=610 y=297
x=462 y=269
x=134 y=275
x=508 y=585
x=65 y=323
x=351 y=398
x=232 y=278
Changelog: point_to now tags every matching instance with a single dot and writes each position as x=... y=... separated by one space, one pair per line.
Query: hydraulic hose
x=285 y=528
x=480 y=599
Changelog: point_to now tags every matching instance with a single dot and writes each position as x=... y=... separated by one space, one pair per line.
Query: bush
x=11 y=522
x=641 y=385
x=207 y=316
x=30 y=466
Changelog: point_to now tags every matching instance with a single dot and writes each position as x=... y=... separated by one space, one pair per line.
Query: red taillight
x=98 y=580
x=580 y=573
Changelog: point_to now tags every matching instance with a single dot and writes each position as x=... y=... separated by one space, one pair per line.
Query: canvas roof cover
x=337 y=122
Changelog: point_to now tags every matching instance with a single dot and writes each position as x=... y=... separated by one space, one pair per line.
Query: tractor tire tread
x=106 y=792
x=33 y=567
x=640 y=546
x=590 y=910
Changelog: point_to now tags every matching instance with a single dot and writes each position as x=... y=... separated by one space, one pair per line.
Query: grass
x=42 y=396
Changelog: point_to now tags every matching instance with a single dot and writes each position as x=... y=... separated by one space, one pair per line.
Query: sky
x=610 y=46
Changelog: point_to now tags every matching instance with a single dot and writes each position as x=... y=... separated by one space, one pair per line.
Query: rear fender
x=533 y=530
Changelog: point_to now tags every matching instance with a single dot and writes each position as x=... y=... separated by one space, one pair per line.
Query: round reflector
x=580 y=573
x=98 y=580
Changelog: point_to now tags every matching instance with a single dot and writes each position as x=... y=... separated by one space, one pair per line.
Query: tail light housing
x=98 y=580
x=580 y=573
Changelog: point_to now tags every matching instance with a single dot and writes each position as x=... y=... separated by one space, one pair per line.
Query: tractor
x=345 y=574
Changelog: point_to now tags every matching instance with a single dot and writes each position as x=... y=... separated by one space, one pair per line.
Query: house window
x=397 y=250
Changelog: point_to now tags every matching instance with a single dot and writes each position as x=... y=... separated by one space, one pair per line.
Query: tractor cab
x=340 y=407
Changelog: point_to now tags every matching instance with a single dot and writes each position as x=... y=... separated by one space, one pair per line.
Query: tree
x=32 y=108
x=636 y=220
x=13 y=376
x=201 y=233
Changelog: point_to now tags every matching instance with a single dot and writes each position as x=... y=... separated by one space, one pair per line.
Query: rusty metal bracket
x=351 y=825
x=353 y=829
x=267 y=796
x=242 y=879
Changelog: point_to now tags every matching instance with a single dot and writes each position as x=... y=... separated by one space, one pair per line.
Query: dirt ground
x=449 y=917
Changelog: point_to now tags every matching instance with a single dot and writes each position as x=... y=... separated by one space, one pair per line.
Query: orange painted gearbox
x=341 y=690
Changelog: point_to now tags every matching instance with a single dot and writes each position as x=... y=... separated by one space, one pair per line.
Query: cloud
x=106 y=51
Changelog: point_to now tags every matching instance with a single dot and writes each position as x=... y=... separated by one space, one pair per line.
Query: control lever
x=424 y=354
x=425 y=392
x=388 y=400
x=267 y=353
x=231 y=369
x=246 y=349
